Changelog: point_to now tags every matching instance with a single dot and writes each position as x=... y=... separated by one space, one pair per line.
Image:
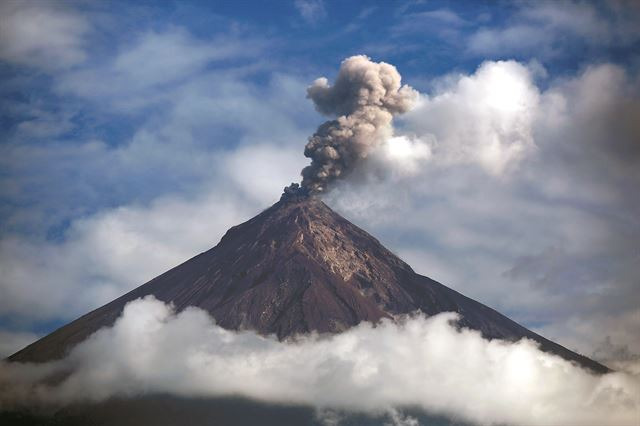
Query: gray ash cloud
x=364 y=98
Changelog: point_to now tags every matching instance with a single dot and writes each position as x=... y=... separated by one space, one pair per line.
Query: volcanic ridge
x=295 y=268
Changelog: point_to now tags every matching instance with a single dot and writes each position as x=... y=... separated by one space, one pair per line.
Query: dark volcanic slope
x=296 y=267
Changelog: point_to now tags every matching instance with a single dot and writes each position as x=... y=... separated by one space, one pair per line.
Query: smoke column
x=365 y=97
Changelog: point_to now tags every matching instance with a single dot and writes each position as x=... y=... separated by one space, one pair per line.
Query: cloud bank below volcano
x=423 y=362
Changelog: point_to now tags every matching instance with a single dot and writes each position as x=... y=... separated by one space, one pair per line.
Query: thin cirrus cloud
x=169 y=122
x=156 y=62
x=42 y=34
x=311 y=11
x=548 y=29
x=444 y=21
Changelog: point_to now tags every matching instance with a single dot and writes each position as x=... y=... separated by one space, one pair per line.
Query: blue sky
x=135 y=135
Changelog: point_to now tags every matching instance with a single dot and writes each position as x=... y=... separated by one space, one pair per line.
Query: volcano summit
x=298 y=267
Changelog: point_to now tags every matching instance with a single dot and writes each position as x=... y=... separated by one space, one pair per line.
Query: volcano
x=298 y=267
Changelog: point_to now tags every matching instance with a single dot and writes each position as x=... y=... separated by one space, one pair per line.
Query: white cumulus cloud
x=484 y=118
x=424 y=362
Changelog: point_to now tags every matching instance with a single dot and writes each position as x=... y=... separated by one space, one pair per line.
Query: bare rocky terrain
x=294 y=268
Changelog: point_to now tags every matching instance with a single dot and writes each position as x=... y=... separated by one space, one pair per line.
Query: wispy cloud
x=153 y=65
x=11 y=342
x=425 y=21
x=312 y=11
x=549 y=29
x=44 y=35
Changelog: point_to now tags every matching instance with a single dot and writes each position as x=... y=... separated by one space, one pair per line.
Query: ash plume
x=365 y=97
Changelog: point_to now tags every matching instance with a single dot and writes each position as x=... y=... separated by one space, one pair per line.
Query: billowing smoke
x=365 y=97
x=418 y=361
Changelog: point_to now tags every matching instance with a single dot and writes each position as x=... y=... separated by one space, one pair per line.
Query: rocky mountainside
x=296 y=267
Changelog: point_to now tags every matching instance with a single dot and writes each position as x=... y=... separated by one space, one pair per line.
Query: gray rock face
x=294 y=268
